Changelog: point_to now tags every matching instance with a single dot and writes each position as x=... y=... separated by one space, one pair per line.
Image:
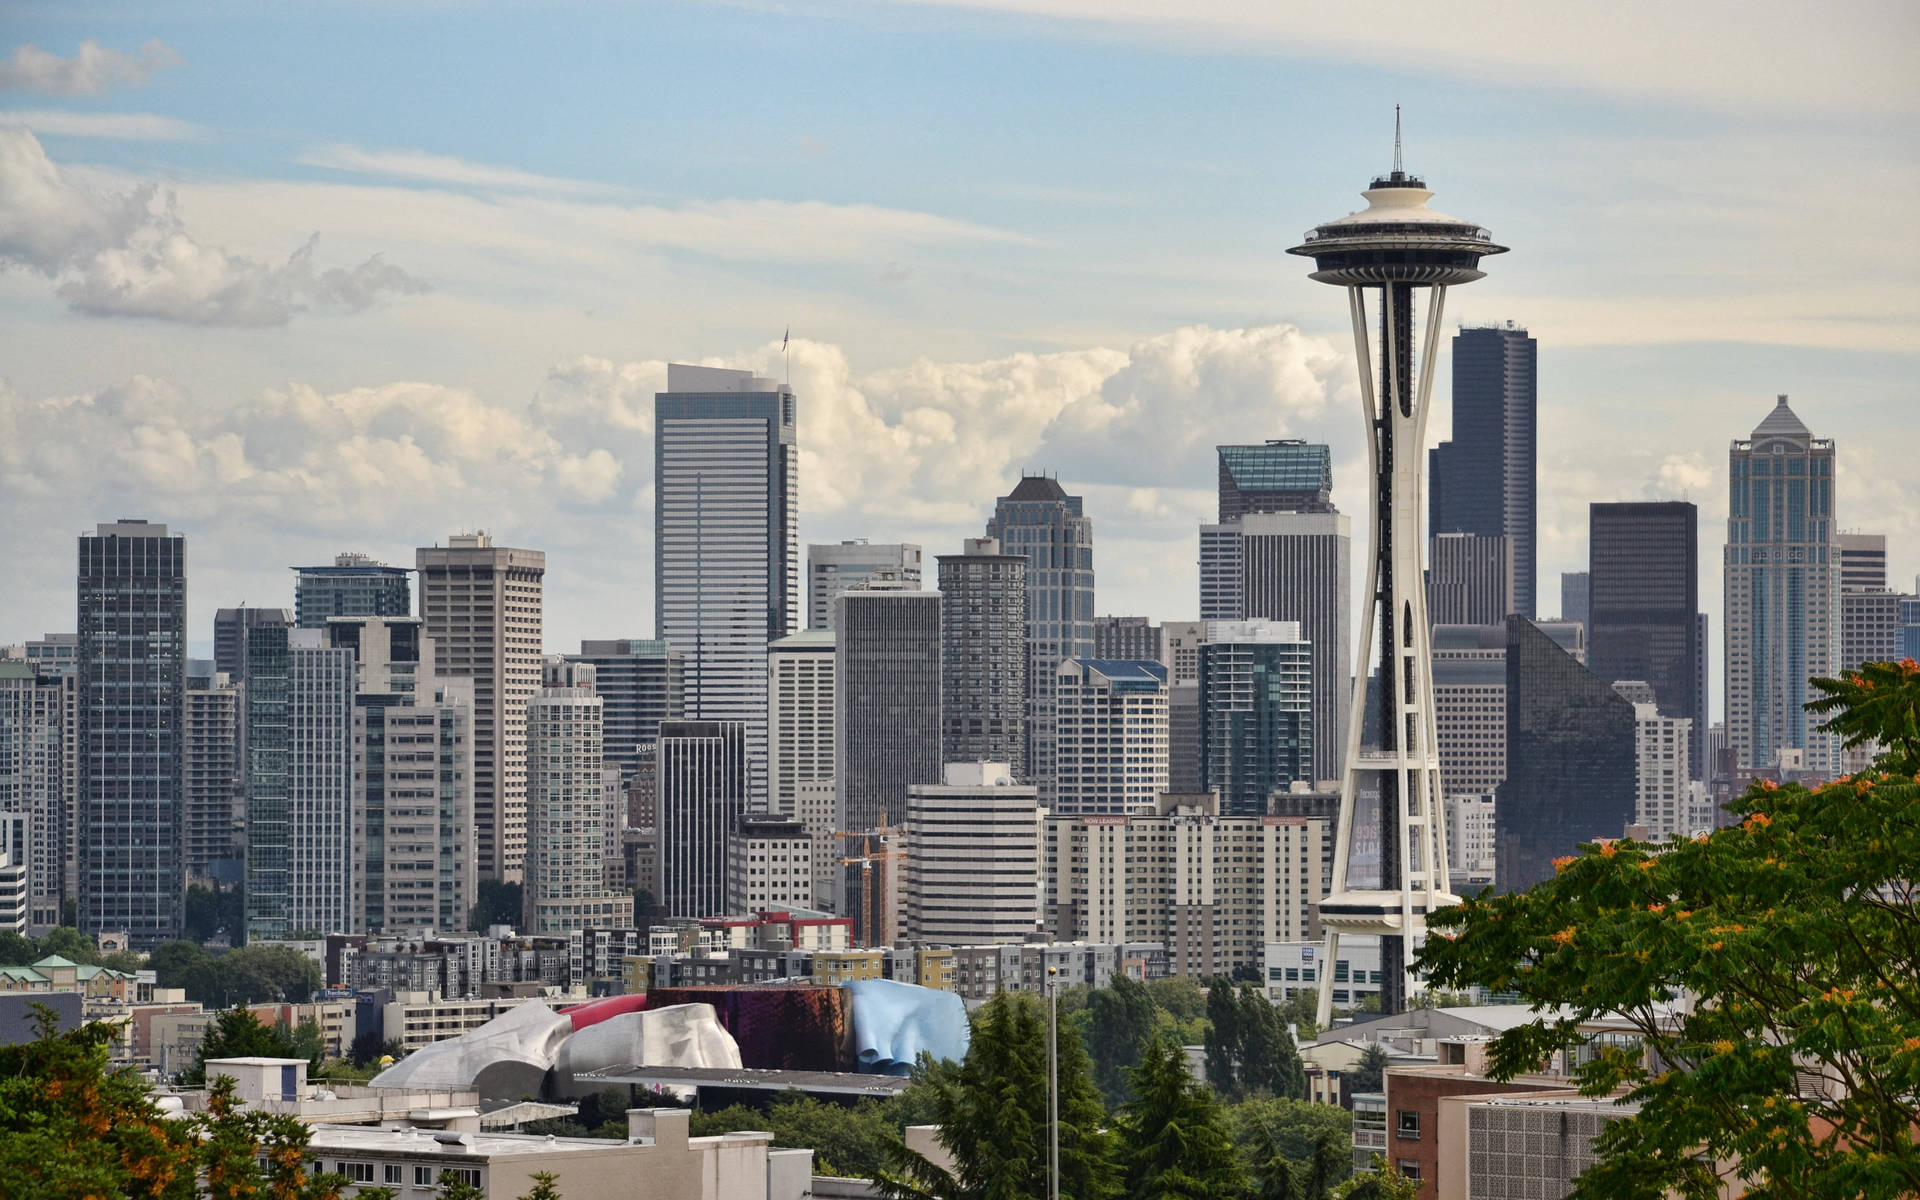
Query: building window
x=1407 y=1125
x=1408 y=1168
x=357 y=1172
x=423 y=1177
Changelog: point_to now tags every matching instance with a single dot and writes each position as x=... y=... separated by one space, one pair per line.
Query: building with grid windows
x=354 y=586
x=800 y=717
x=1661 y=748
x=769 y=866
x=1110 y=720
x=833 y=567
x=983 y=652
x=640 y=684
x=1214 y=889
x=726 y=541
x=483 y=606
x=34 y=745
x=131 y=667
x=1281 y=475
x=567 y=802
x=972 y=857
x=1644 y=603
x=1483 y=481
x=887 y=681
x=1470 y=579
x=1039 y=521
x=1782 y=589
x=213 y=790
x=1470 y=707
x=1256 y=712
x=701 y=795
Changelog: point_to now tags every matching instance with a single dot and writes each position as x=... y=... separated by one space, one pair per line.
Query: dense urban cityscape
x=1388 y=864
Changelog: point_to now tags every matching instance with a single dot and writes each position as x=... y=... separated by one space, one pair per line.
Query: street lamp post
x=1053 y=1083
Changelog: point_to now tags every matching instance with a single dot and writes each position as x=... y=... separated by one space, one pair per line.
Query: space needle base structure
x=1393 y=249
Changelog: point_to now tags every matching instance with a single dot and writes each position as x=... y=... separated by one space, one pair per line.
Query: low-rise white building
x=1470 y=827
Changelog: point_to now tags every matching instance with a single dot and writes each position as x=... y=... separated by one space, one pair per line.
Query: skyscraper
x=1575 y=593
x=1571 y=758
x=833 y=567
x=800 y=720
x=640 y=684
x=1483 y=480
x=1782 y=593
x=1470 y=579
x=132 y=681
x=887 y=681
x=354 y=586
x=983 y=652
x=702 y=791
x=33 y=733
x=1283 y=475
x=1127 y=637
x=973 y=857
x=1397 y=245
x=726 y=541
x=213 y=784
x=1296 y=567
x=299 y=784
x=1863 y=561
x=1111 y=723
x=483 y=609
x=1470 y=707
x=1256 y=704
x=1039 y=521
x=566 y=879
x=231 y=629
x=1644 y=568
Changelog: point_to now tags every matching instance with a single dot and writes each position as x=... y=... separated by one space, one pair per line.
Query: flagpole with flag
x=786 y=363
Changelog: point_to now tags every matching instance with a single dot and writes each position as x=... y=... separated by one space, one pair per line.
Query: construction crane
x=888 y=853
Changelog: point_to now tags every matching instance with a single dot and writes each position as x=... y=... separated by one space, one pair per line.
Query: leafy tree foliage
x=1302 y=1011
x=213 y=911
x=1382 y=1182
x=452 y=1187
x=236 y=1033
x=1292 y=1131
x=1223 y=1037
x=67 y=942
x=992 y=1111
x=499 y=903
x=1175 y=1145
x=543 y=1187
x=249 y=975
x=1121 y=1021
x=1795 y=934
x=1248 y=1048
x=71 y=1129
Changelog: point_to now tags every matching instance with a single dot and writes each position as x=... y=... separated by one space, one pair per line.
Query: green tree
x=499 y=903
x=1796 y=936
x=245 y=1153
x=1370 y=1073
x=213 y=911
x=1266 y=1129
x=69 y=943
x=1269 y=1061
x=1302 y=1009
x=543 y=1187
x=236 y=1033
x=305 y=1041
x=1174 y=1144
x=1223 y=1038
x=1180 y=997
x=992 y=1113
x=1121 y=1021
x=452 y=1187
x=173 y=963
x=17 y=950
x=1382 y=1182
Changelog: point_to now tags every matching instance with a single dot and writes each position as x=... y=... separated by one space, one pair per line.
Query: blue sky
x=1006 y=233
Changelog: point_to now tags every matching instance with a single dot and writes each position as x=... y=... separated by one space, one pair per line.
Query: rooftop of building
x=1279 y=466
x=1126 y=672
x=1781 y=422
x=447 y=1144
x=1037 y=487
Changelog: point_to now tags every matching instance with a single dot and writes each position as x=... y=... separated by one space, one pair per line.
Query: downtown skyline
x=931 y=360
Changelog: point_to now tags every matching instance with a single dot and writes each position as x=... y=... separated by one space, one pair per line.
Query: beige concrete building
x=483 y=609
x=973 y=857
x=799 y=717
x=1215 y=890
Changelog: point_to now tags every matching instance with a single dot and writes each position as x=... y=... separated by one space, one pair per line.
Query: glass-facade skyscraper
x=1782 y=593
x=132 y=668
x=983 y=647
x=354 y=586
x=887 y=680
x=1572 y=759
x=1644 y=605
x=1284 y=475
x=1483 y=480
x=1256 y=704
x=1051 y=529
x=726 y=563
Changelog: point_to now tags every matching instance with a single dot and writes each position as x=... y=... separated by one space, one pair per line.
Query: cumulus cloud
x=128 y=253
x=92 y=70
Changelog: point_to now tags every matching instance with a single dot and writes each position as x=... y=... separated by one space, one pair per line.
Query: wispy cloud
x=444 y=169
x=130 y=127
x=93 y=70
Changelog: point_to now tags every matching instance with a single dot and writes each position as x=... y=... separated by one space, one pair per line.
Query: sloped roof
x=1781 y=422
x=1037 y=487
x=55 y=961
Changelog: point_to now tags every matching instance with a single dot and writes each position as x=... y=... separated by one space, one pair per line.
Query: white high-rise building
x=833 y=567
x=726 y=542
x=1470 y=707
x=483 y=609
x=973 y=857
x=1662 y=745
x=769 y=866
x=800 y=673
x=32 y=780
x=1110 y=735
x=1470 y=833
x=566 y=877
x=211 y=789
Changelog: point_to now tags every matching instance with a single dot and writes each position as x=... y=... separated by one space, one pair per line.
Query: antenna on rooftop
x=1396 y=139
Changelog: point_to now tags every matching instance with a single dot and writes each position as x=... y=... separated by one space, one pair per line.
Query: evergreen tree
x=1121 y=1020
x=1369 y=1074
x=1269 y=1061
x=1223 y=1038
x=1174 y=1144
x=236 y=1033
x=543 y=1187
x=992 y=1113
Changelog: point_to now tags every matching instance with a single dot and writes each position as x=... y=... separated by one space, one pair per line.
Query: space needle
x=1391 y=248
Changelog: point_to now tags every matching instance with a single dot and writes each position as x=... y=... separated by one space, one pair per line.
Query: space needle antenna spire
x=1395 y=251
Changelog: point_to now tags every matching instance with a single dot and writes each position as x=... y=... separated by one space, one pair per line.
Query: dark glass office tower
x=232 y=627
x=1256 y=706
x=1571 y=763
x=1483 y=481
x=354 y=586
x=983 y=650
x=132 y=658
x=1279 y=476
x=887 y=682
x=1051 y=529
x=640 y=685
x=1644 y=605
x=702 y=782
